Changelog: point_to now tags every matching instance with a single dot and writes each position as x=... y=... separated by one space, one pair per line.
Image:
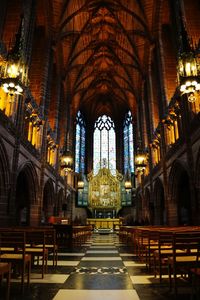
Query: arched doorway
x=48 y=208
x=22 y=200
x=180 y=195
x=159 y=203
x=25 y=197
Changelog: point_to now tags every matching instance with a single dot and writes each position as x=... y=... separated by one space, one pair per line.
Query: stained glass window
x=104 y=149
x=80 y=144
x=128 y=144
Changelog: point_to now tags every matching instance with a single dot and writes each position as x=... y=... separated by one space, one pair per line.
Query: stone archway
x=159 y=203
x=4 y=184
x=48 y=208
x=22 y=200
x=179 y=195
x=26 y=195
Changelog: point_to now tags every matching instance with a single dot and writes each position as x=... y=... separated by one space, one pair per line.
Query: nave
x=101 y=268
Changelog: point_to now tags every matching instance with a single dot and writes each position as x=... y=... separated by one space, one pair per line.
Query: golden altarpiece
x=104 y=198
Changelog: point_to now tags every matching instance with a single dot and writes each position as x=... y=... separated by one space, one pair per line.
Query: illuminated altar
x=105 y=223
x=104 y=193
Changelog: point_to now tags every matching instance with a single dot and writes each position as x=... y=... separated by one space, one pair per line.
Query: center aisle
x=100 y=274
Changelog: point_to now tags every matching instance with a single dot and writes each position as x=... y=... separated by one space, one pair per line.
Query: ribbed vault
x=103 y=48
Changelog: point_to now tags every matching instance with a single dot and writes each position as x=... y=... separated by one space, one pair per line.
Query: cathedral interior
x=100 y=135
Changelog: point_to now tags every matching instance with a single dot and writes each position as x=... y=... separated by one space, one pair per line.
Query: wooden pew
x=17 y=256
x=189 y=243
x=51 y=244
x=36 y=246
x=63 y=235
x=80 y=234
x=165 y=239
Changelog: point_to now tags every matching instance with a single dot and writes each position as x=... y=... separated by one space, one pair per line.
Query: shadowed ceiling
x=104 y=48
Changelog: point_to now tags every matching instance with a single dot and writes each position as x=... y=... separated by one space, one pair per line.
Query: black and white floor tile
x=102 y=268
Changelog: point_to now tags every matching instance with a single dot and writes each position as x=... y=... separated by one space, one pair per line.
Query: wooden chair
x=51 y=244
x=150 y=247
x=162 y=252
x=5 y=271
x=178 y=263
x=35 y=245
x=50 y=241
x=17 y=255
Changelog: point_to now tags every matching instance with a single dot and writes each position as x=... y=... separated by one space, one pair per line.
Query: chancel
x=99 y=149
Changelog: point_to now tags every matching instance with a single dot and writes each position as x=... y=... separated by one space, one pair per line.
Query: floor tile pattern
x=101 y=268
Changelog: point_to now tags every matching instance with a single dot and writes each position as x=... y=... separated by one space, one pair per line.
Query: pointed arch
x=179 y=191
x=48 y=205
x=159 y=203
x=26 y=194
x=29 y=170
x=178 y=167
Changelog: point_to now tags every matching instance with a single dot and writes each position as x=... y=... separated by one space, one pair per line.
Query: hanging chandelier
x=140 y=160
x=13 y=75
x=189 y=74
x=12 y=86
x=188 y=67
x=66 y=161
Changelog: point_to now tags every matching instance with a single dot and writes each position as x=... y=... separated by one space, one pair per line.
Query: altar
x=104 y=198
x=105 y=223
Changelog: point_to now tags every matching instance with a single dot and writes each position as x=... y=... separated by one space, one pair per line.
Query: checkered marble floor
x=102 y=268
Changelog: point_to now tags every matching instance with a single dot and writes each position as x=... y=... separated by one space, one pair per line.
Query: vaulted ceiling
x=103 y=50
